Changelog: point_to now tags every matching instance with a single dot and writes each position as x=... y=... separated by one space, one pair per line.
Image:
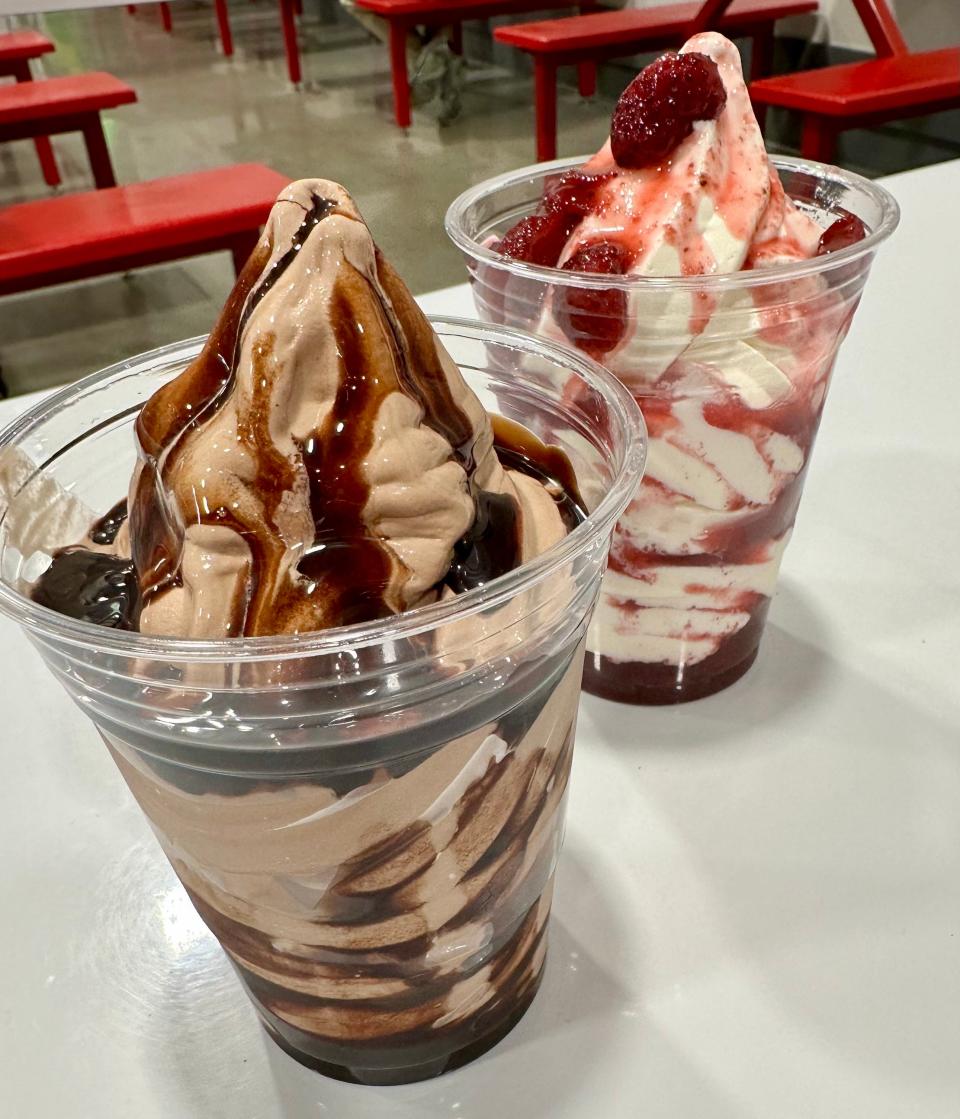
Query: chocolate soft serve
x=321 y=462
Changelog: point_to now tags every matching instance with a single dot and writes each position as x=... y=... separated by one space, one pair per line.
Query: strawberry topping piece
x=574 y=193
x=594 y=318
x=844 y=232
x=658 y=108
x=538 y=239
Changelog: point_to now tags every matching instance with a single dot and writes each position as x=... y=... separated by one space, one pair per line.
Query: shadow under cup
x=368 y=818
x=731 y=373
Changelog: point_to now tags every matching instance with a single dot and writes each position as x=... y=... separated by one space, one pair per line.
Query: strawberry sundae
x=676 y=257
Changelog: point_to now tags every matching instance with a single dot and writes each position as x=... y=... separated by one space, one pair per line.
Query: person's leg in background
x=436 y=73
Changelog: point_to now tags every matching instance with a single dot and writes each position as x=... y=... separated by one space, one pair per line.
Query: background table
x=758 y=907
x=288 y=11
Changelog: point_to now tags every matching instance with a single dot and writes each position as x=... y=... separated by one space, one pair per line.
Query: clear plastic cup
x=731 y=372
x=367 y=818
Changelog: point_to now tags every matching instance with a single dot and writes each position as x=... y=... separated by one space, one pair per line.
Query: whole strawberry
x=658 y=108
x=594 y=318
x=538 y=239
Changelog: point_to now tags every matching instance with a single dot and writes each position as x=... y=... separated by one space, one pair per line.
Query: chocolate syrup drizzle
x=346 y=558
x=321 y=208
x=345 y=574
x=106 y=530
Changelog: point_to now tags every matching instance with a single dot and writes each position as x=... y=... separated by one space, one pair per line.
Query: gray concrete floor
x=197 y=109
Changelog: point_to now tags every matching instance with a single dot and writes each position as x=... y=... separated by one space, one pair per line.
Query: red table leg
x=587 y=71
x=223 y=23
x=165 y=17
x=761 y=53
x=240 y=249
x=761 y=64
x=290 y=40
x=819 y=139
x=132 y=9
x=545 y=103
x=881 y=25
x=398 y=70
x=98 y=153
x=48 y=161
x=456 y=38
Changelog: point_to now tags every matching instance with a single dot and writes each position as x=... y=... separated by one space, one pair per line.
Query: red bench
x=22 y=46
x=74 y=236
x=897 y=84
x=71 y=104
x=863 y=94
x=576 y=40
x=17 y=48
x=402 y=15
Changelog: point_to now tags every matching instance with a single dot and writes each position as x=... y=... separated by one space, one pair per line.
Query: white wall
x=926 y=24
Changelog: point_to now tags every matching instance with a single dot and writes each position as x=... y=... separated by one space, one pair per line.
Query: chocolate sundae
x=368 y=818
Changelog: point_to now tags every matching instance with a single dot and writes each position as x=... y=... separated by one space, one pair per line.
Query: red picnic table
x=17 y=49
x=898 y=83
x=74 y=236
x=70 y=104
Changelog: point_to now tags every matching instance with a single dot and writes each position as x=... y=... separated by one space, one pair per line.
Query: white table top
x=758 y=907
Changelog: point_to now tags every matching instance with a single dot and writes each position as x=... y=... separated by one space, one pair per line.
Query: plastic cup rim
x=775 y=273
x=47 y=623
